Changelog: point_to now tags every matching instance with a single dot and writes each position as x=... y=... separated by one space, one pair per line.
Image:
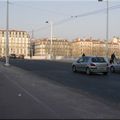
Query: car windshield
x=98 y=59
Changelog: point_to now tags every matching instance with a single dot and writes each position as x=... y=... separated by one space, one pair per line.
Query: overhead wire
x=70 y=18
x=86 y=14
x=80 y=15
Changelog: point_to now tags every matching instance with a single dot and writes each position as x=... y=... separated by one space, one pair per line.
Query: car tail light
x=92 y=64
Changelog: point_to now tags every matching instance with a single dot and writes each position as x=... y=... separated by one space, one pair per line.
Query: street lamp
x=7 y=36
x=51 y=29
x=107 y=25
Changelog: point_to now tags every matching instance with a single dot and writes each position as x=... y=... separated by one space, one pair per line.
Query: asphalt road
x=105 y=88
x=17 y=103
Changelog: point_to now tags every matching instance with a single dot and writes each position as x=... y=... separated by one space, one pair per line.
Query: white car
x=115 y=67
x=91 y=64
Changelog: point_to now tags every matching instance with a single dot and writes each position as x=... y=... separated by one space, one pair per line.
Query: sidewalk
x=23 y=95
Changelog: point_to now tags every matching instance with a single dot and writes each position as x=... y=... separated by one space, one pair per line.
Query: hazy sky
x=31 y=15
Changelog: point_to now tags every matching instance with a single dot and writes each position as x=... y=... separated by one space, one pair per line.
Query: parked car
x=2 y=58
x=115 y=67
x=21 y=56
x=13 y=56
x=91 y=64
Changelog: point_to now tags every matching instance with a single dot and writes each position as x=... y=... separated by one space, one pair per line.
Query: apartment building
x=98 y=48
x=75 y=48
x=114 y=46
x=59 y=47
x=102 y=48
x=19 y=42
x=80 y=46
x=95 y=47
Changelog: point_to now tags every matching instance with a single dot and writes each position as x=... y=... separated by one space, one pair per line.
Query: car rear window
x=98 y=59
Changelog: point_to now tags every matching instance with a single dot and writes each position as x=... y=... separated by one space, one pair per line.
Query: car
x=21 y=56
x=13 y=56
x=115 y=67
x=91 y=64
x=2 y=58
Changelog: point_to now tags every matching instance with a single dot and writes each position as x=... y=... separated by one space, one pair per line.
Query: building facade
x=76 y=47
x=59 y=47
x=80 y=46
x=114 y=46
x=19 y=42
x=95 y=47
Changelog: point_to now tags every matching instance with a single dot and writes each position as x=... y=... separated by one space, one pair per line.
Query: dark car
x=2 y=58
x=21 y=56
x=13 y=56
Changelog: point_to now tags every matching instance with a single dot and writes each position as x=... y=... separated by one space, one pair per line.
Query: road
x=103 y=88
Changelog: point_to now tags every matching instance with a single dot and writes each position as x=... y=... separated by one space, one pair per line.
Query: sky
x=70 y=19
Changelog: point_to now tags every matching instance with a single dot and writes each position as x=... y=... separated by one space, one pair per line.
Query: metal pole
x=51 y=27
x=107 y=28
x=51 y=52
x=32 y=41
x=31 y=49
x=7 y=36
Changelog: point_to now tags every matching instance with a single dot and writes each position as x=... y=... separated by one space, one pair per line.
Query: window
x=23 y=34
x=2 y=34
x=98 y=59
x=81 y=60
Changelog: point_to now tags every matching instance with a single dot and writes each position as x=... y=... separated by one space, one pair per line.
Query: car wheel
x=88 y=71
x=105 y=73
x=74 y=68
x=112 y=69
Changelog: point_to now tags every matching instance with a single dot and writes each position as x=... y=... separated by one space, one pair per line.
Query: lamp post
x=51 y=35
x=7 y=36
x=31 y=45
x=107 y=26
x=107 y=29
